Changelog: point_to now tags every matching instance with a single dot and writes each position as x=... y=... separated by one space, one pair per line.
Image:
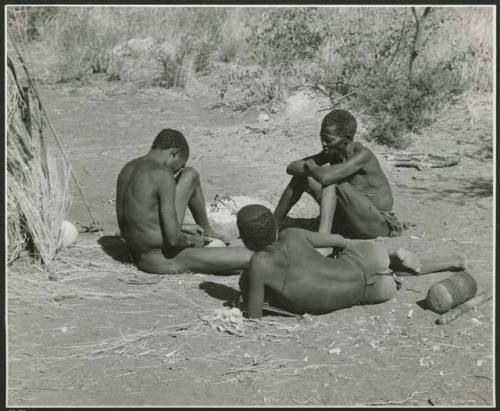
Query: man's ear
x=175 y=151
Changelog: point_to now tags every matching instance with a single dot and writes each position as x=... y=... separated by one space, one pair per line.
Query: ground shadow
x=116 y=248
x=423 y=304
x=222 y=292
x=459 y=189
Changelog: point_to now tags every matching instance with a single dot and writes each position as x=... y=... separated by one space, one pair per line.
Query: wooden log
x=451 y=292
x=463 y=308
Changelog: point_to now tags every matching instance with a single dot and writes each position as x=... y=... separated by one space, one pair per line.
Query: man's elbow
x=173 y=241
x=324 y=181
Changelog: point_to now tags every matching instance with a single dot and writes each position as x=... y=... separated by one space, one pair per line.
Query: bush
x=187 y=44
x=245 y=87
x=284 y=36
x=400 y=106
x=86 y=39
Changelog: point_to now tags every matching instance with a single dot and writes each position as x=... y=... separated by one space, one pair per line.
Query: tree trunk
x=417 y=38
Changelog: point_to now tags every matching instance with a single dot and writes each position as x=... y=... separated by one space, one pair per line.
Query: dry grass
x=43 y=196
x=38 y=185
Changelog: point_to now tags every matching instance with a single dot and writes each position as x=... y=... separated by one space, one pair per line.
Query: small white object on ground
x=69 y=234
x=325 y=251
x=263 y=117
x=215 y=242
x=224 y=208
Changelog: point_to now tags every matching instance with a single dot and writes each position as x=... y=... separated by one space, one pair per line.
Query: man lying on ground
x=153 y=192
x=288 y=272
x=346 y=180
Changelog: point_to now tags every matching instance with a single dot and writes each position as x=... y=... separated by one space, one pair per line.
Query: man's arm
x=169 y=225
x=320 y=240
x=256 y=286
x=119 y=199
x=337 y=173
x=296 y=168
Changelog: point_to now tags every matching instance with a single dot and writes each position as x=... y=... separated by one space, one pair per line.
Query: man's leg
x=358 y=212
x=188 y=181
x=327 y=207
x=408 y=263
x=217 y=260
x=292 y=194
x=190 y=194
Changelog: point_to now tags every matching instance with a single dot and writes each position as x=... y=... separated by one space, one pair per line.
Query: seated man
x=346 y=180
x=289 y=273
x=152 y=194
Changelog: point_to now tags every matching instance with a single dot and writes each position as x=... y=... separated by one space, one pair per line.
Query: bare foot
x=407 y=260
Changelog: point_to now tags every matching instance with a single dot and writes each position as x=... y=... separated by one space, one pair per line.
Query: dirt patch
x=105 y=334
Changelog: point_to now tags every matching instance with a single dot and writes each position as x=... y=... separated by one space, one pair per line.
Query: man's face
x=333 y=143
x=176 y=160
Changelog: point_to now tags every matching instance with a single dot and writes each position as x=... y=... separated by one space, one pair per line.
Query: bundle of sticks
x=420 y=160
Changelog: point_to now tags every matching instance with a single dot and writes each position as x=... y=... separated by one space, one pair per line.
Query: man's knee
x=313 y=188
x=189 y=174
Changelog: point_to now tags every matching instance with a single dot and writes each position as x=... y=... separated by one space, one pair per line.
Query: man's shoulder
x=291 y=233
x=262 y=262
x=357 y=147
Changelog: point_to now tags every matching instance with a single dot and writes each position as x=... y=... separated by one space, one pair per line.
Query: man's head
x=257 y=226
x=175 y=147
x=337 y=130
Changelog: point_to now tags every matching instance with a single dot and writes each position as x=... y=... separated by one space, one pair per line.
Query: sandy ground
x=94 y=337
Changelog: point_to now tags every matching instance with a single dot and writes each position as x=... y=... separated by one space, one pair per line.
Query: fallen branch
x=419 y=160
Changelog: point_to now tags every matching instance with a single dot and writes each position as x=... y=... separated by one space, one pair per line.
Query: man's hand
x=311 y=169
x=197 y=240
x=192 y=229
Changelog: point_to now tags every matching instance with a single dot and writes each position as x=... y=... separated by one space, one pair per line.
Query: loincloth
x=136 y=257
x=372 y=261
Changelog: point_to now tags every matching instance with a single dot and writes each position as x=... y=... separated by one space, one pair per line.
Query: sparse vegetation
x=371 y=58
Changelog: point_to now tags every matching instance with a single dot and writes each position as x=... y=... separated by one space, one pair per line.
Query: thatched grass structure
x=38 y=184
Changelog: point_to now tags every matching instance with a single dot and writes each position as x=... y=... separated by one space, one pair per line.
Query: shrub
x=186 y=44
x=85 y=40
x=245 y=87
x=284 y=36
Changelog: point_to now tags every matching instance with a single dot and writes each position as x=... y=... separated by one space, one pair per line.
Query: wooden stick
x=275 y=310
x=463 y=308
x=404 y=164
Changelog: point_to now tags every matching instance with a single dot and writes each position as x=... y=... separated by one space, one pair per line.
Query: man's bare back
x=137 y=204
x=306 y=281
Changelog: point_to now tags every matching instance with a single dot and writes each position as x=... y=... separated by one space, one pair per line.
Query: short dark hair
x=345 y=122
x=169 y=138
x=257 y=226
